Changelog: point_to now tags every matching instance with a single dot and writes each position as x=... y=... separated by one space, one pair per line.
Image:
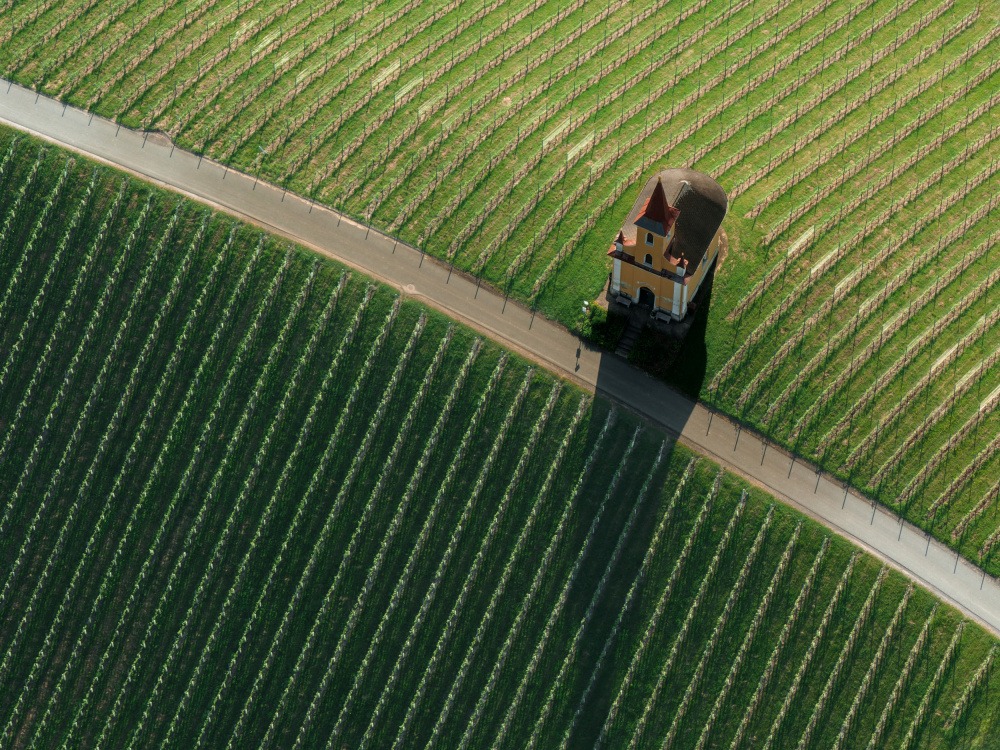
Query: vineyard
x=250 y=499
x=856 y=138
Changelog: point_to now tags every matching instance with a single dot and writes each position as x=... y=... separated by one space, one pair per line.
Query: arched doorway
x=646 y=298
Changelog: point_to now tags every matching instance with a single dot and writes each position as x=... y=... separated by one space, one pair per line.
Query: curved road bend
x=153 y=157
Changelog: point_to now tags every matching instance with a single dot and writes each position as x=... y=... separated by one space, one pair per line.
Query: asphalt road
x=154 y=157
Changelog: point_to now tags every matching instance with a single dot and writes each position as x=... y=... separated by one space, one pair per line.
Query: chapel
x=668 y=242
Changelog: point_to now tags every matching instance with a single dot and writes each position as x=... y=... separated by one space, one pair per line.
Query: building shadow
x=674 y=358
x=664 y=330
x=686 y=369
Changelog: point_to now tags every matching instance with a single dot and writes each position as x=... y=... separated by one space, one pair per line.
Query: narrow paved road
x=152 y=156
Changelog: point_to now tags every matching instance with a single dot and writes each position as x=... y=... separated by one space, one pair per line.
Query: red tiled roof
x=658 y=210
x=623 y=240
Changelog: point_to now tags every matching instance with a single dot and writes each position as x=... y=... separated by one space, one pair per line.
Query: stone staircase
x=628 y=339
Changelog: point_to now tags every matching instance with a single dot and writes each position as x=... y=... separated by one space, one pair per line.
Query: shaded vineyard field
x=252 y=499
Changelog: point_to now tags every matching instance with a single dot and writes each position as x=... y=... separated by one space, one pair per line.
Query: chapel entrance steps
x=632 y=331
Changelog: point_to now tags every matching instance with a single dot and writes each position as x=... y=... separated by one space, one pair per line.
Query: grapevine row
x=67 y=453
x=843 y=288
x=39 y=298
x=898 y=136
x=97 y=533
x=873 y=667
x=953 y=440
x=975 y=465
x=913 y=348
x=989 y=497
x=556 y=611
x=537 y=122
x=113 y=424
x=890 y=328
x=571 y=652
x=466 y=52
x=853 y=280
x=661 y=604
x=271 y=43
x=41 y=224
x=355 y=613
x=649 y=128
x=924 y=85
x=498 y=590
x=824 y=93
x=720 y=551
x=64 y=387
x=995 y=536
x=692 y=69
x=107 y=18
x=647 y=560
x=347 y=483
x=380 y=556
x=899 y=168
x=110 y=575
x=607 y=162
x=970 y=688
x=235 y=366
x=99 y=62
x=53 y=559
x=318 y=329
x=748 y=638
x=413 y=91
x=901 y=682
x=418 y=547
x=845 y=653
x=222 y=537
x=814 y=644
x=13 y=213
x=866 y=97
x=442 y=641
x=224 y=85
x=786 y=630
x=303 y=504
x=82 y=418
x=720 y=625
x=932 y=688
x=477 y=562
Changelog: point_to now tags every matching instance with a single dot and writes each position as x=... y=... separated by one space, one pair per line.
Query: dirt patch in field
x=723 y=252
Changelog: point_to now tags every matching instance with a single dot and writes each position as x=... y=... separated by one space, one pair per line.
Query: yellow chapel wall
x=633 y=277
x=642 y=249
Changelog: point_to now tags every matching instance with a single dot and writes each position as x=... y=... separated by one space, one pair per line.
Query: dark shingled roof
x=702 y=205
